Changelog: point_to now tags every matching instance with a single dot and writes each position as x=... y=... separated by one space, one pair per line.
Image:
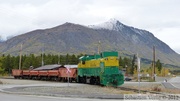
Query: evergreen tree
x=120 y=63
x=127 y=64
x=1 y=63
x=14 y=62
x=62 y=60
x=6 y=64
x=159 y=65
x=67 y=58
x=74 y=59
x=38 y=61
x=133 y=65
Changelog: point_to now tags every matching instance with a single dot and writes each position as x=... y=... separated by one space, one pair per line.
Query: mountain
x=76 y=39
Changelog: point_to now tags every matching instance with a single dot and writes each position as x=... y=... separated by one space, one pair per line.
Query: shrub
x=156 y=88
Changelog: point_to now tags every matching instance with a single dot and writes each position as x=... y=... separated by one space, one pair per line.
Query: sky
x=161 y=17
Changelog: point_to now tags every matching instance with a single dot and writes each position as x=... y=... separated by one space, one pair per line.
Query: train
x=48 y=72
x=100 y=69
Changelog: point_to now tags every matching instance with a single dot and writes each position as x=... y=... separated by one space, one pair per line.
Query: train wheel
x=92 y=80
x=84 y=79
x=97 y=80
x=79 y=79
x=70 y=80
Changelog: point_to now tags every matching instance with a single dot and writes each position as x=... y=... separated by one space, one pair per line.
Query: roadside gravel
x=47 y=88
x=12 y=81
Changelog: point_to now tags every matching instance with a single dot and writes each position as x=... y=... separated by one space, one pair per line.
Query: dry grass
x=153 y=88
x=171 y=91
x=112 y=90
x=160 y=88
x=156 y=88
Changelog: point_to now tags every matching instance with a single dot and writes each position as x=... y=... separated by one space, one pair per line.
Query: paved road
x=173 y=83
x=168 y=85
x=14 y=97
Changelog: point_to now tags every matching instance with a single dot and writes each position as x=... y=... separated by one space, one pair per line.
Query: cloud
x=170 y=36
x=158 y=16
x=16 y=18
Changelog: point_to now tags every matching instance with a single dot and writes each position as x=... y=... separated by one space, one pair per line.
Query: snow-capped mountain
x=76 y=39
x=112 y=24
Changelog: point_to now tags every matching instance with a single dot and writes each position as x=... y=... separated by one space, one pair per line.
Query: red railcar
x=26 y=74
x=43 y=75
x=33 y=74
x=17 y=73
x=53 y=73
x=65 y=73
x=48 y=72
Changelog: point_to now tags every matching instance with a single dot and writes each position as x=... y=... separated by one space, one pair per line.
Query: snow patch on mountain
x=112 y=24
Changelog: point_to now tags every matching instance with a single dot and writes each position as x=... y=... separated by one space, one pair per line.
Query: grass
x=151 y=89
x=112 y=90
x=156 y=88
x=171 y=91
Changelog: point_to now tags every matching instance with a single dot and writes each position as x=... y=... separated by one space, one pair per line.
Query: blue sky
x=160 y=17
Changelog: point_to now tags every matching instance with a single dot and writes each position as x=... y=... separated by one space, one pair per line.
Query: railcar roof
x=55 y=66
x=48 y=67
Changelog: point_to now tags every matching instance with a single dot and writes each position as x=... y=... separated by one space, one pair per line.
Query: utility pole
x=42 y=56
x=20 y=53
x=154 y=62
x=126 y=70
x=138 y=69
x=58 y=59
x=99 y=43
x=152 y=70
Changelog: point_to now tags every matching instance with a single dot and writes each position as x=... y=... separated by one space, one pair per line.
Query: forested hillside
x=9 y=62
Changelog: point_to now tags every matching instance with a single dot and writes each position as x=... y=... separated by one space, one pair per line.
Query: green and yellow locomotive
x=100 y=69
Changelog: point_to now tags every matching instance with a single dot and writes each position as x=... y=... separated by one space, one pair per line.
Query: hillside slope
x=76 y=39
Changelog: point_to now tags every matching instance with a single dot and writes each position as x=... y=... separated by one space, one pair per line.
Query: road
x=168 y=85
x=173 y=83
x=12 y=97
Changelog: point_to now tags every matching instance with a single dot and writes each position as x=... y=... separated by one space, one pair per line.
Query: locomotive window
x=101 y=55
x=83 y=62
